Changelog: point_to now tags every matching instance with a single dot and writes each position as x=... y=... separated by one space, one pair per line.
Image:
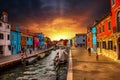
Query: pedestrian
x=97 y=57
x=89 y=51
x=30 y=50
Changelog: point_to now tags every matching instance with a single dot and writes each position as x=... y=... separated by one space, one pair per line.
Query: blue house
x=29 y=43
x=15 y=38
x=94 y=39
x=41 y=39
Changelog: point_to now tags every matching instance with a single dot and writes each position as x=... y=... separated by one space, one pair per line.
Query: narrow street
x=87 y=68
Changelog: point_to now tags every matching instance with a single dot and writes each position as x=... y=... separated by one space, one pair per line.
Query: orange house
x=108 y=32
x=115 y=19
x=89 y=38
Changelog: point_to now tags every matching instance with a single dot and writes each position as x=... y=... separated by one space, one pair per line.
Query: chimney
x=5 y=16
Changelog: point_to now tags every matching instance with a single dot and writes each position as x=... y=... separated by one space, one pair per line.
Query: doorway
x=118 y=22
x=119 y=48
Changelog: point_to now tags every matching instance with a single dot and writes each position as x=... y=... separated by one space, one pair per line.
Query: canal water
x=43 y=69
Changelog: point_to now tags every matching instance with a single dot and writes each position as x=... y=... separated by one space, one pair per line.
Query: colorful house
x=41 y=39
x=94 y=39
x=81 y=40
x=36 y=42
x=5 y=35
x=115 y=27
x=48 y=42
x=74 y=41
x=15 y=37
x=70 y=42
x=89 y=37
x=23 y=41
x=108 y=32
x=29 y=43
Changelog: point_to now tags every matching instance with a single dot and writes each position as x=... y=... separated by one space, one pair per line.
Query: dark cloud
x=29 y=12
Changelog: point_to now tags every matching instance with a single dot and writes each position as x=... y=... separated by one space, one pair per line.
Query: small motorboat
x=30 y=60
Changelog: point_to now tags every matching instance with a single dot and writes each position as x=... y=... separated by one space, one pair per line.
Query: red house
x=108 y=32
x=36 y=42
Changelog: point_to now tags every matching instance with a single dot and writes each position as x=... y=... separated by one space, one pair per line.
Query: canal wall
x=70 y=72
x=12 y=60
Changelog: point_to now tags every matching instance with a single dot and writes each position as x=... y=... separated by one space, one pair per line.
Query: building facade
x=108 y=32
x=36 y=42
x=29 y=43
x=89 y=37
x=81 y=40
x=15 y=38
x=41 y=40
x=23 y=41
x=5 y=35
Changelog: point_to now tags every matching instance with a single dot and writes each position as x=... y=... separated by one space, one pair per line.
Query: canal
x=43 y=69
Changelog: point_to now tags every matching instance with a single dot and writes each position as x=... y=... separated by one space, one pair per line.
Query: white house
x=81 y=40
x=5 y=28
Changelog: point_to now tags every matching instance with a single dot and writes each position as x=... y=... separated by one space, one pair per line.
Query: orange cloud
x=59 y=28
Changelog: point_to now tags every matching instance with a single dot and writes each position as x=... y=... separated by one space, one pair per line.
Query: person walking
x=97 y=57
x=89 y=51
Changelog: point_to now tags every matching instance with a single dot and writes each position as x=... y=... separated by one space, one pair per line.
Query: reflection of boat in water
x=60 y=65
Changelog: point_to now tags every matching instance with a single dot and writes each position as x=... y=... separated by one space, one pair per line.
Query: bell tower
x=5 y=16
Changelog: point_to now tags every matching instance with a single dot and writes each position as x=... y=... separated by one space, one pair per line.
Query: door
x=100 y=47
x=119 y=48
x=118 y=22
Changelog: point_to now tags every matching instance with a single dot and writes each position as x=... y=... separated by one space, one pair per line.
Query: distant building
x=70 y=42
x=23 y=41
x=48 y=42
x=36 y=42
x=5 y=35
x=74 y=41
x=41 y=39
x=80 y=40
x=29 y=43
x=15 y=38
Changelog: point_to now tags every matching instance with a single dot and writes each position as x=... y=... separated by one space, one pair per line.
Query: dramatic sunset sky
x=55 y=18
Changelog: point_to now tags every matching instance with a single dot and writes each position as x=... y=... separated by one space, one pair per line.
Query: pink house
x=36 y=42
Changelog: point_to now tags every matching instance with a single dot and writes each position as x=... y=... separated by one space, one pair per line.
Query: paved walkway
x=87 y=68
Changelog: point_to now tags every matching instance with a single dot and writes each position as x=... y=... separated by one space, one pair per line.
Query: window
x=99 y=30
x=104 y=44
x=103 y=28
x=1 y=49
x=0 y=24
x=1 y=36
x=27 y=38
x=113 y=2
x=8 y=37
x=9 y=47
x=109 y=25
x=110 y=45
x=8 y=27
x=83 y=40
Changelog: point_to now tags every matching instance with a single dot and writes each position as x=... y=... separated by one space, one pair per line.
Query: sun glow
x=60 y=28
